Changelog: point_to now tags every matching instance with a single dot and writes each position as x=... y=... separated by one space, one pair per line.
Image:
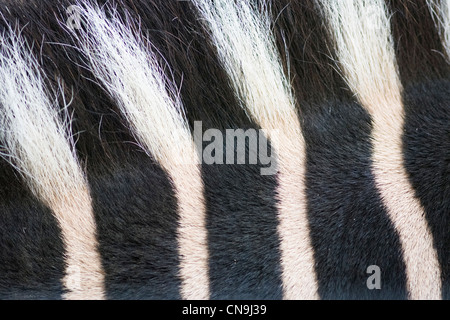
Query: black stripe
x=425 y=75
x=118 y=201
x=244 y=257
x=133 y=199
x=31 y=246
x=182 y=41
x=135 y=211
x=241 y=206
x=420 y=52
x=242 y=233
x=350 y=230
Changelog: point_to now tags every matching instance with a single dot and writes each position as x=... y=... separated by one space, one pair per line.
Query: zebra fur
x=352 y=96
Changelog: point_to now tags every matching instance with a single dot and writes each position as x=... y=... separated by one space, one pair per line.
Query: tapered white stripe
x=129 y=71
x=440 y=10
x=366 y=54
x=246 y=46
x=38 y=144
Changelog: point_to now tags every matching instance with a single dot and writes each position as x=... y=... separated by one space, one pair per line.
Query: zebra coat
x=254 y=149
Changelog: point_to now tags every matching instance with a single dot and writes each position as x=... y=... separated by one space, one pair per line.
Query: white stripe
x=129 y=71
x=366 y=53
x=39 y=146
x=441 y=13
x=248 y=53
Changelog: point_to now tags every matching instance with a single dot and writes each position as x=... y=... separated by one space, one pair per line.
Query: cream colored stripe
x=39 y=146
x=366 y=54
x=297 y=259
x=149 y=101
x=192 y=235
x=440 y=10
x=246 y=47
x=84 y=277
x=406 y=212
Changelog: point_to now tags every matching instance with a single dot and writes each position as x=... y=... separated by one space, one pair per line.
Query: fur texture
x=156 y=119
x=104 y=193
x=39 y=146
x=378 y=88
x=246 y=46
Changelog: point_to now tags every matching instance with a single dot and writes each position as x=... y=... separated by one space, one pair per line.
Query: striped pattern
x=379 y=90
x=105 y=190
x=39 y=145
x=243 y=38
x=139 y=89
